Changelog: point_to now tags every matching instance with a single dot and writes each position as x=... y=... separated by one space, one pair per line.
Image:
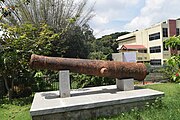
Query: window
x=142 y=51
x=155 y=62
x=139 y=58
x=164 y=47
x=165 y=32
x=178 y=47
x=154 y=36
x=177 y=31
x=156 y=49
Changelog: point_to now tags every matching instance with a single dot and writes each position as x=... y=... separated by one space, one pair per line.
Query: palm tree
x=56 y=13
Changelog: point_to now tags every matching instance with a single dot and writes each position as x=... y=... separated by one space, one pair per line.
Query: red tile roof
x=133 y=47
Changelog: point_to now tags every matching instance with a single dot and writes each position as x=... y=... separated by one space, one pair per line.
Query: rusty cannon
x=112 y=69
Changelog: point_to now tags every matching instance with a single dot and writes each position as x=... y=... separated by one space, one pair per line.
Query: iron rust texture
x=112 y=69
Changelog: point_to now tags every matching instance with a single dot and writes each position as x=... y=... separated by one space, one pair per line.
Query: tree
x=51 y=28
x=77 y=43
x=64 y=16
x=8 y=7
x=17 y=45
x=173 y=43
x=56 y=13
x=104 y=46
x=173 y=69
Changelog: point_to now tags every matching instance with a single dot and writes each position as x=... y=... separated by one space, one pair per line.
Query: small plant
x=173 y=69
x=176 y=77
x=156 y=104
x=136 y=113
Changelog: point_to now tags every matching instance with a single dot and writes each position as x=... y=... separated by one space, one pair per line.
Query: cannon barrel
x=112 y=69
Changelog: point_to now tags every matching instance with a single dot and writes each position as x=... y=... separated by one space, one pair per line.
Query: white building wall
x=117 y=56
x=177 y=23
x=142 y=38
x=127 y=42
x=129 y=56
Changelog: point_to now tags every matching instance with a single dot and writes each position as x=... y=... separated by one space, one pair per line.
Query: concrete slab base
x=89 y=103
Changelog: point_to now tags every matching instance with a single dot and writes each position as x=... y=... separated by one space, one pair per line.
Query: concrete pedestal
x=64 y=84
x=89 y=103
x=125 y=84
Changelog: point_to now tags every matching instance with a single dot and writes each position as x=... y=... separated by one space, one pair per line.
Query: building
x=147 y=45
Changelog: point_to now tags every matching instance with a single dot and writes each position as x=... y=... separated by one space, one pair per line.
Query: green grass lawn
x=168 y=110
x=16 y=109
x=14 y=112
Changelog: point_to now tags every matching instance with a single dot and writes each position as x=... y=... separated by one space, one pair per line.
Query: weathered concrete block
x=64 y=84
x=125 y=84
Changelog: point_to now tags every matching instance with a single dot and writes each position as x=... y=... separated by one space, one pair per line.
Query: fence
x=23 y=90
x=46 y=84
x=156 y=77
x=156 y=74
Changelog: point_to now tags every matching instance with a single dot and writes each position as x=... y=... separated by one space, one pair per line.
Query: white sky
x=129 y=15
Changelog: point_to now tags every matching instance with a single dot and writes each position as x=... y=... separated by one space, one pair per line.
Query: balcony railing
x=142 y=56
x=166 y=54
x=178 y=52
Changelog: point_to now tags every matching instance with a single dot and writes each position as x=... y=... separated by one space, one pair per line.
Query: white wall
x=129 y=56
x=142 y=38
x=117 y=57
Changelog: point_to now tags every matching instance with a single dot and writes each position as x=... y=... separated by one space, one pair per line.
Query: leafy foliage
x=174 y=62
x=75 y=43
x=173 y=68
x=27 y=30
x=51 y=28
x=19 y=42
x=82 y=80
x=172 y=42
x=17 y=45
x=56 y=13
x=103 y=47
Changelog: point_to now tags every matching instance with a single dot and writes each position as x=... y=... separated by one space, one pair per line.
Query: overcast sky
x=129 y=15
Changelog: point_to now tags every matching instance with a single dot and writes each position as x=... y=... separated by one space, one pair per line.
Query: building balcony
x=133 y=56
x=166 y=54
x=178 y=52
x=142 y=56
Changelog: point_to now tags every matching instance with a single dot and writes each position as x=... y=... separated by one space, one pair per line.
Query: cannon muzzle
x=112 y=69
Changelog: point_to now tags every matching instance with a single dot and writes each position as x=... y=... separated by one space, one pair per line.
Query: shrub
x=82 y=80
x=173 y=68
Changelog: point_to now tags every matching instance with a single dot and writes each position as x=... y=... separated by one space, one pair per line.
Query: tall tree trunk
x=10 y=91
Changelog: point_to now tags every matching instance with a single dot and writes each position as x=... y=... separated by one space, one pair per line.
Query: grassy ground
x=169 y=109
x=15 y=110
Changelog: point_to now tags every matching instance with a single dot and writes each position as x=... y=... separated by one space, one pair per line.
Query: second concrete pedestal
x=125 y=84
